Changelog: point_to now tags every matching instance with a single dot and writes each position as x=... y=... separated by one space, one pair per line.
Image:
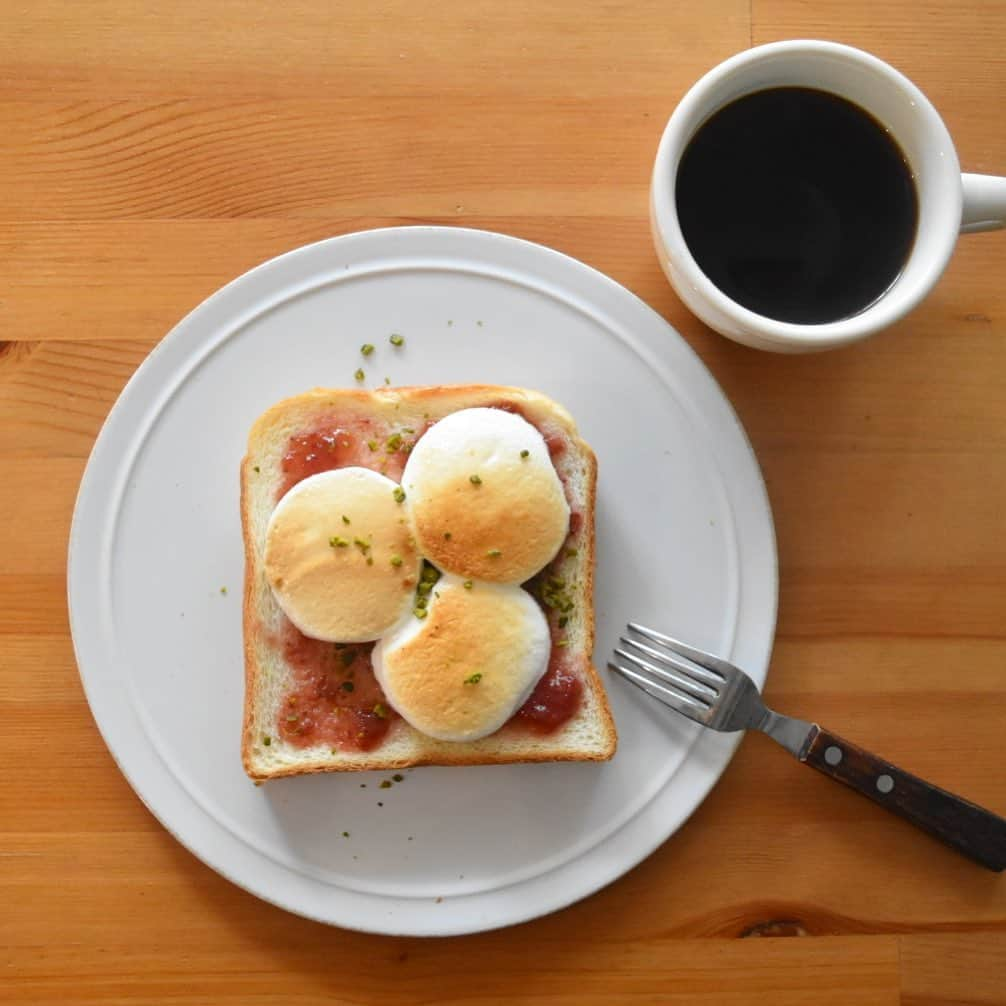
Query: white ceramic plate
x=685 y=543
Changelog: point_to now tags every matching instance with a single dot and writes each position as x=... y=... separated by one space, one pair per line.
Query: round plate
x=685 y=543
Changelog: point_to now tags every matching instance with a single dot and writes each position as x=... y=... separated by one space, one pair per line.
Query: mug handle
x=984 y=203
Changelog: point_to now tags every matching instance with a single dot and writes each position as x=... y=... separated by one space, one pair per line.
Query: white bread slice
x=588 y=736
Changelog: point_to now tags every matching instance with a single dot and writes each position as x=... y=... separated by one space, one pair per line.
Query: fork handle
x=964 y=826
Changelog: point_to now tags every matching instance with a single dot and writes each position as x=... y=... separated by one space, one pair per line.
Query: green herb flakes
x=359 y=374
x=476 y=480
x=396 y=560
x=267 y=741
x=399 y=494
x=396 y=339
x=554 y=593
x=525 y=454
x=336 y=542
x=494 y=553
x=467 y=585
x=474 y=679
x=367 y=348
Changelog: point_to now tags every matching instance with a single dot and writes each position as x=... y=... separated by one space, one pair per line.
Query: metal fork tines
x=701 y=686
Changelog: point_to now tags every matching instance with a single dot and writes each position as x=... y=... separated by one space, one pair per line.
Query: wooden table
x=152 y=151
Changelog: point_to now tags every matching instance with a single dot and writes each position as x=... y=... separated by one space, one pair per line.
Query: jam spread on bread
x=336 y=698
x=340 y=445
x=555 y=699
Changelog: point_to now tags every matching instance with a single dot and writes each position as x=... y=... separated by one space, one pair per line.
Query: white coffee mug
x=949 y=203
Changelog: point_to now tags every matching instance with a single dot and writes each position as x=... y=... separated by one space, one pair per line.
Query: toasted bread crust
x=405 y=747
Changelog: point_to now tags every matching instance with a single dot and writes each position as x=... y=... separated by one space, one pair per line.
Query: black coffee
x=797 y=204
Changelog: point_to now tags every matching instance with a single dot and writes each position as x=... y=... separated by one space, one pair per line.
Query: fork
x=715 y=693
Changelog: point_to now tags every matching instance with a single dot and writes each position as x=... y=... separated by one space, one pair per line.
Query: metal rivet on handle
x=885 y=783
x=833 y=755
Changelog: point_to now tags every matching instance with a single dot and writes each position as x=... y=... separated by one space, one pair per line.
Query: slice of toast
x=327 y=428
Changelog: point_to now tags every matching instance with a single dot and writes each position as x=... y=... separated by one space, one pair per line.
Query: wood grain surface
x=153 y=151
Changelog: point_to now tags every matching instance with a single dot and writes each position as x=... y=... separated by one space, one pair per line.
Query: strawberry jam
x=335 y=699
x=358 y=443
x=555 y=699
x=318 y=451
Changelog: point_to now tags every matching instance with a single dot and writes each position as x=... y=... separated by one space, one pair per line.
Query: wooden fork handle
x=964 y=826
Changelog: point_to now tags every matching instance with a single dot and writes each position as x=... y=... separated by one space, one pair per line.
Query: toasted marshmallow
x=462 y=671
x=340 y=555
x=485 y=498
